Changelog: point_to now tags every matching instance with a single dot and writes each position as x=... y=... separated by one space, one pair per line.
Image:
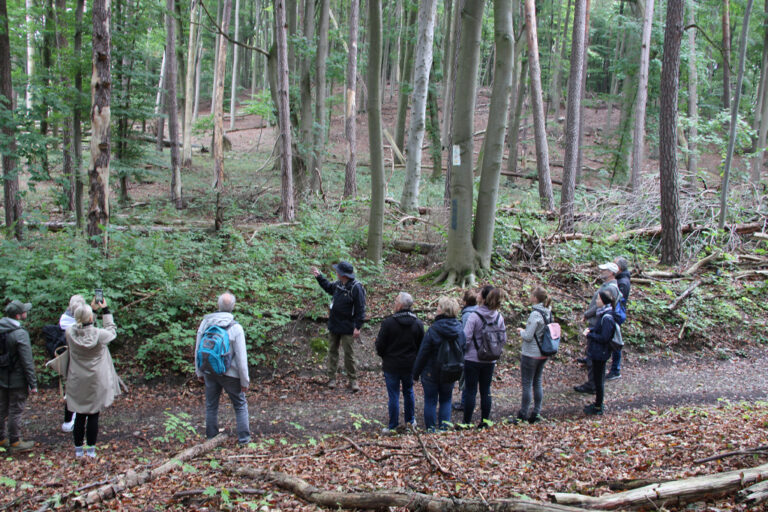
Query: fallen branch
x=197 y=492
x=750 y=451
x=133 y=479
x=677 y=492
x=628 y=484
x=684 y=295
x=754 y=494
x=701 y=263
x=751 y=273
x=388 y=498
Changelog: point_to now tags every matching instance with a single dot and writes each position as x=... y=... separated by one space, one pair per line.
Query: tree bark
x=671 y=237
x=573 y=118
x=30 y=54
x=433 y=129
x=218 y=115
x=172 y=105
x=321 y=93
x=233 y=94
x=726 y=54
x=77 y=114
x=406 y=46
x=555 y=90
x=448 y=11
x=11 y=197
x=638 y=140
x=376 y=219
x=66 y=128
x=734 y=116
x=460 y=263
x=306 y=122
x=287 y=208
x=762 y=108
x=101 y=93
x=546 y=198
x=488 y=192
x=350 y=118
x=693 y=96
x=189 y=90
x=160 y=120
x=422 y=67
x=580 y=158
x=450 y=70
x=514 y=125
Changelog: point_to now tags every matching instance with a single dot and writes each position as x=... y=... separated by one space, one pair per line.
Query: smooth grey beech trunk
x=350 y=116
x=235 y=55
x=306 y=119
x=218 y=114
x=172 y=105
x=638 y=138
x=189 y=90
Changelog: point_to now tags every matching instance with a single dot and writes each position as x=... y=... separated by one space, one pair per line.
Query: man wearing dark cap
x=344 y=321
x=17 y=375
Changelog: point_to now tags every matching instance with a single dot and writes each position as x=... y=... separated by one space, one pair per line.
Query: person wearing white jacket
x=234 y=380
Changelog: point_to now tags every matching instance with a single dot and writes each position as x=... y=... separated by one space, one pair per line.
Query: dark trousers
x=12 y=402
x=477 y=375
x=599 y=372
x=616 y=362
x=67 y=413
x=86 y=427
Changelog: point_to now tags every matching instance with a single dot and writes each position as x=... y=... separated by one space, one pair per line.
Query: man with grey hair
x=397 y=344
x=234 y=380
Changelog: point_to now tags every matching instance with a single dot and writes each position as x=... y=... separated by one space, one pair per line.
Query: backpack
x=450 y=359
x=5 y=352
x=492 y=340
x=214 y=354
x=620 y=311
x=617 y=342
x=550 y=341
x=54 y=338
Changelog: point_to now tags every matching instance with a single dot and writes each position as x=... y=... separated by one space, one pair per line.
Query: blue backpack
x=214 y=354
x=620 y=311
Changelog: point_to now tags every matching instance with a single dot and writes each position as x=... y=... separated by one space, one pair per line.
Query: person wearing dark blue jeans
x=394 y=382
x=615 y=363
x=437 y=403
x=478 y=375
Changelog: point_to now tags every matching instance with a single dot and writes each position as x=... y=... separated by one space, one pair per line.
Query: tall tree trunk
x=101 y=93
x=433 y=129
x=235 y=48
x=514 y=125
x=460 y=263
x=218 y=115
x=580 y=158
x=11 y=197
x=573 y=118
x=30 y=54
x=306 y=122
x=292 y=16
x=638 y=140
x=404 y=89
x=488 y=192
x=66 y=131
x=546 y=198
x=556 y=85
x=198 y=74
x=734 y=116
x=159 y=102
x=77 y=114
x=172 y=105
x=762 y=108
x=189 y=90
x=423 y=66
x=287 y=209
x=321 y=94
x=350 y=119
x=451 y=48
x=671 y=233
x=693 y=96
x=376 y=220
x=614 y=89
x=726 y=54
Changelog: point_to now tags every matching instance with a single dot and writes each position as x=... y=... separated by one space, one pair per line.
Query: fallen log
x=389 y=498
x=740 y=229
x=684 y=295
x=754 y=494
x=627 y=484
x=701 y=263
x=132 y=478
x=751 y=273
x=677 y=492
x=413 y=246
x=197 y=492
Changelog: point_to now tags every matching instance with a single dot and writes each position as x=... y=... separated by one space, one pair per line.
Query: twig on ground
x=750 y=451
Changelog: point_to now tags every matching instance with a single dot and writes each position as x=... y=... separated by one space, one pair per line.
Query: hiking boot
x=354 y=387
x=534 y=418
x=584 y=388
x=593 y=410
x=22 y=446
x=612 y=376
x=332 y=384
x=517 y=419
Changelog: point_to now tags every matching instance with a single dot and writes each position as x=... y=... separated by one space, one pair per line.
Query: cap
x=17 y=307
x=610 y=266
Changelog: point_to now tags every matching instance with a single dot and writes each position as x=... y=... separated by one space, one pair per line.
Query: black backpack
x=6 y=361
x=54 y=338
x=493 y=337
x=450 y=358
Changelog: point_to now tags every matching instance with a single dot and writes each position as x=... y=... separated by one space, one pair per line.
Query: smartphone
x=98 y=295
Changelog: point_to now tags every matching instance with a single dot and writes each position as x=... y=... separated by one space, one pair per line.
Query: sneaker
x=332 y=384
x=90 y=452
x=388 y=431
x=79 y=451
x=593 y=410
x=612 y=376
x=354 y=387
x=584 y=388
x=68 y=426
x=22 y=446
x=516 y=419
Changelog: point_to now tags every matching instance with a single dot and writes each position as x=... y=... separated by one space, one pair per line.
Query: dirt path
x=300 y=406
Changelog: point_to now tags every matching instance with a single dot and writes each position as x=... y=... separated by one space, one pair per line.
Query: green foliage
x=177 y=428
x=259 y=104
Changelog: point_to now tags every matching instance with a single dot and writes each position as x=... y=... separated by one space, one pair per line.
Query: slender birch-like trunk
x=638 y=140
x=189 y=90
x=350 y=117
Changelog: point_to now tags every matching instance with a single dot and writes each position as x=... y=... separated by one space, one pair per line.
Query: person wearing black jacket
x=345 y=319
x=437 y=389
x=599 y=348
x=397 y=344
x=623 y=281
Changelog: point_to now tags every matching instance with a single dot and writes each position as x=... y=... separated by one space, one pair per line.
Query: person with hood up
x=599 y=348
x=531 y=360
x=397 y=344
x=235 y=380
x=437 y=389
x=92 y=383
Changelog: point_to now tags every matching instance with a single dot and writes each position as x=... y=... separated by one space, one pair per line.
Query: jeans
x=90 y=433
x=599 y=372
x=393 y=381
x=437 y=403
x=12 y=402
x=530 y=380
x=347 y=342
x=616 y=362
x=477 y=374
x=213 y=386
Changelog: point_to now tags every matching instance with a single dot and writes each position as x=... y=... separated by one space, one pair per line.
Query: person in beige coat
x=92 y=382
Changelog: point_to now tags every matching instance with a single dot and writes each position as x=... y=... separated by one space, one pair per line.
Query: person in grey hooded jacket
x=234 y=381
x=532 y=361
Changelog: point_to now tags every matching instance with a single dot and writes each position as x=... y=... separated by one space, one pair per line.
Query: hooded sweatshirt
x=534 y=329
x=590 y=315
x=473 y=330
x=599 y=337
x=443 y=328
x=67 y=320
x=398 y=342
x=22 y=372
x=239 y=367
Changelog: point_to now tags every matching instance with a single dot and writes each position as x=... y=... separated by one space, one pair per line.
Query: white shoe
x=79 y=451
x=90 y=452
x=68 y=426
